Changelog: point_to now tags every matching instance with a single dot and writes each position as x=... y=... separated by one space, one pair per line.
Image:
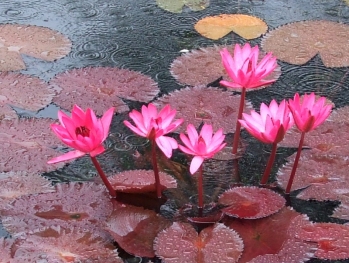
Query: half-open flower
x=308 y=113
x=202 y=146
x=83 y=131
x=271 y=124
x=153 y=125
x=244 y=69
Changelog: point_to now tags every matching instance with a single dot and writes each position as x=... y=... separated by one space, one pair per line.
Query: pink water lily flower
x=271 y=124
x=153 y=125
x=83 y=131
x=202 y=146
x=244 y=69
x=309 y=114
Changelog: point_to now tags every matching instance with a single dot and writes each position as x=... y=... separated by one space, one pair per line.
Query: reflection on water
x=138 y=35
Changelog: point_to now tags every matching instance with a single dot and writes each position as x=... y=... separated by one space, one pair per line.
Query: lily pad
x=176 y=6
x=246 y=26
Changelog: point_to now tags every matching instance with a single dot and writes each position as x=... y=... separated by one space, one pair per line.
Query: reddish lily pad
x=266 y=235
x=64 y=245
x=204 y=66
x=15 y=184
x=5 y=249
x=200 y=104
x=340 y=115
x=181 y=243
x=332 y=239
x=100 y=88
x=134 y=229
x=7 y=113
x=140 y=181
x=35 y=41
x=26 y=145
x=24 y=91
x=83 y=205
x=251 y=202
x=298 y=42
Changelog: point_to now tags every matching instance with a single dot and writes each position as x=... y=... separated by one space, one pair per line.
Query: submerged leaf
x=181 y=243
x=298 y=42
x=216 y=27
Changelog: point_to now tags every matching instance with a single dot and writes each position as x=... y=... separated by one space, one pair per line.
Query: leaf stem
x=105 y=180
x=269 y=165
x=238 y=125
x=200 y=189
x=155 y=168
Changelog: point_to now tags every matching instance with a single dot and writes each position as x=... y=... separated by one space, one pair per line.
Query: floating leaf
x=251 y=202
x=24 y=91
x=6 y=112
x=26 y=145
x=64 y=245
x=201 y=104
x=5 y=249
x=181 y=243
x=35 y=41
x=140 y=181
x=100 y=88
x=134 y=229
x=84 y=205
x=332 y=239
x=216 y=27
x=298 y=42
x=204 y=66
x=176 y=6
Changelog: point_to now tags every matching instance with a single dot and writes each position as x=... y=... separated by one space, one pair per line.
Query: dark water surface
x=138 y=35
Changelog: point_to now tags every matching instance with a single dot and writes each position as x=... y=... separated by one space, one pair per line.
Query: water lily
x=269 y=126
x=203 y=146
x=246 y=73
x=84 y=132
x=154 y=126
x=308 y=114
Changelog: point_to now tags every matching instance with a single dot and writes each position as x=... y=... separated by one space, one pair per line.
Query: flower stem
x=155 y=168
x=269 y=165
x=200 y=189
x=295 y=164
x=105 y=180
x=238 y=125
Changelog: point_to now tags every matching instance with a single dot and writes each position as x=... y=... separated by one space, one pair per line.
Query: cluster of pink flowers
x=86 y=133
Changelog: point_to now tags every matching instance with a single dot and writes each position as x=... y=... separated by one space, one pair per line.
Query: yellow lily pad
x=176 y=6
x=216 y=27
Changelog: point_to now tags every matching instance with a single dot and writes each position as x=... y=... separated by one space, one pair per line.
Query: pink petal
x=66 y=157
x=196 y=163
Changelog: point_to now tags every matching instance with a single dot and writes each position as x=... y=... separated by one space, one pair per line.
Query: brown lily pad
x=204 y=66
x=216 y=27
x=134 y=228
x=35 y=41
x=24 y=91
x=298 y=42
x=100 y=88
x=200 y=104
x=27 y=145
x=83 y=205
x=140 y=181
x=251 y=202
x=181 y=243
x=64 y=245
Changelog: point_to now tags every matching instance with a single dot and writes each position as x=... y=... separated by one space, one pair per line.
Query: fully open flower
x=202 y=146
x=244 y=69
x=271 y=124
x=83 y=132
x=309 y=114
x=153 y=125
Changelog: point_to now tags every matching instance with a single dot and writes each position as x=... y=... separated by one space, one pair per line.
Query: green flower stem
x=200 y=189
x=105 y=180
x=294 y=168
x=238 y=125
x=269 y=164
x=155 y=168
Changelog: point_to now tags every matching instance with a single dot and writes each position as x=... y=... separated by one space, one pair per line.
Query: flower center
x=83 y=131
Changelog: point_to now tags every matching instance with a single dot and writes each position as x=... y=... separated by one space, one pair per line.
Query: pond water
x=141 y=36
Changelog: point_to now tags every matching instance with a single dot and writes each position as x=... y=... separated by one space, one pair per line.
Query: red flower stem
x=200 y=189
x=295 y=164
x=105 y=180
x=155 y=168
x=269 y=164
x=238 y=125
